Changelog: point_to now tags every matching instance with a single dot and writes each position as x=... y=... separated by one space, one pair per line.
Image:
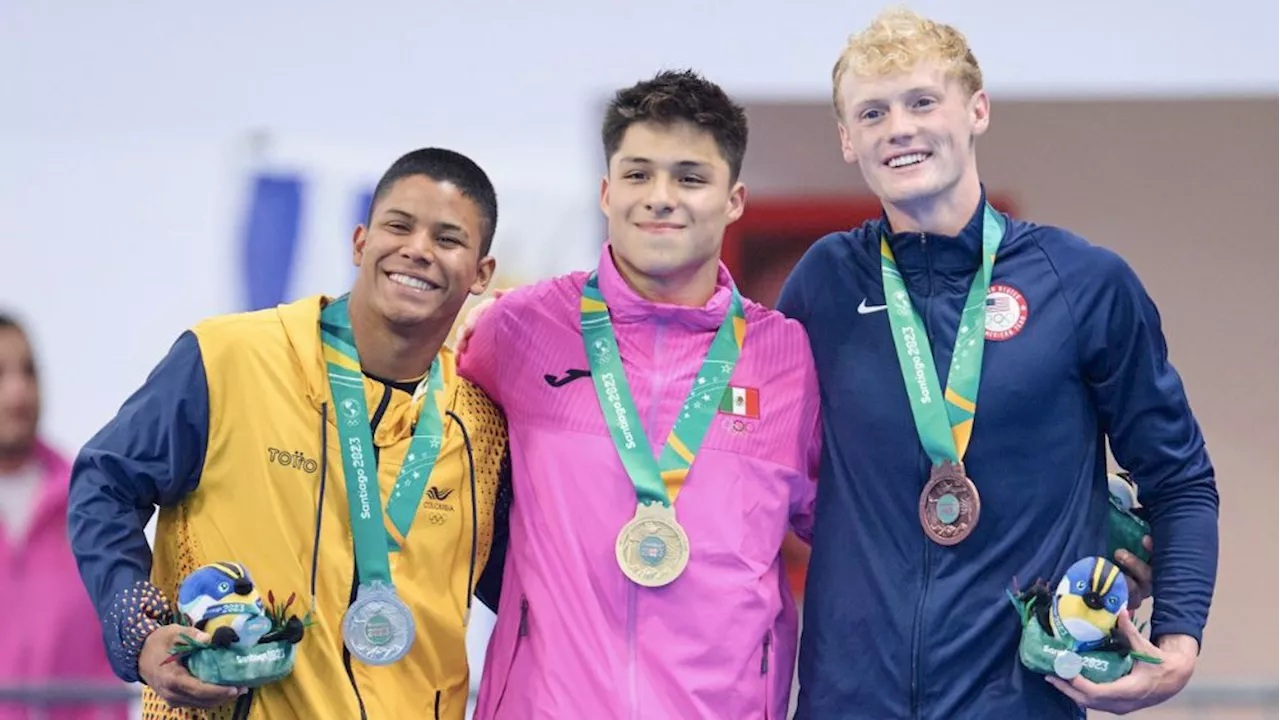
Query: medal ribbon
x=374 y=534
x=944 y=433
x=657 y=481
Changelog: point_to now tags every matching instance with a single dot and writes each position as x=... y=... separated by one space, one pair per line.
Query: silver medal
x=378 y=628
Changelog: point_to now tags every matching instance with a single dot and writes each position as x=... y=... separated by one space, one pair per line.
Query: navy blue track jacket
x=896 y=626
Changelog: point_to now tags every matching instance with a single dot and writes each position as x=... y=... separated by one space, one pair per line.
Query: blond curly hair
x=895 y=42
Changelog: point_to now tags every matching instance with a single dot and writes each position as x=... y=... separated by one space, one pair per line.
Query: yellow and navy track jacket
x=233 y=436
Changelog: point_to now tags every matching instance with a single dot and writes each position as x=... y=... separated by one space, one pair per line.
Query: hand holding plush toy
x=248 y=644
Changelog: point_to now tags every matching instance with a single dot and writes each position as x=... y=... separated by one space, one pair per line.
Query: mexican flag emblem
x=742 y=402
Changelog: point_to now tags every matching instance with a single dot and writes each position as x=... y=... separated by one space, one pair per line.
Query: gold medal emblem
x=652 y=548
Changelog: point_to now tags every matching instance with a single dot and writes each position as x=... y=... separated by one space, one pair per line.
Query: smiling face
x=912 y=134
x=668 y=197
x=421 y=254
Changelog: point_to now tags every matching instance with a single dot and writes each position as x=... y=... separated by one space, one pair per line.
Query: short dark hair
x=679 y=96
x=445 y=166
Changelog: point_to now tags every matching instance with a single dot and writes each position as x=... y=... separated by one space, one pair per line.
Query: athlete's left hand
x=1147 y=684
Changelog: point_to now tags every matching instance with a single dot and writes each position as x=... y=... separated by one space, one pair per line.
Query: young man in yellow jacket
x=249 y=437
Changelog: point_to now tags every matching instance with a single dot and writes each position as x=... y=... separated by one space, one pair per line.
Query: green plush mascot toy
x=250 y=644
x=1069 y=631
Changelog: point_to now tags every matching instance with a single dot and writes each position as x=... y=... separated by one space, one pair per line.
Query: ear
x=737 y=202
x=604 y=195
x=980 y=112
x=358 y=239
x=846 y=144
x=484 y=275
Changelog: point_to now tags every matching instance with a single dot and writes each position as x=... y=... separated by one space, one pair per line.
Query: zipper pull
x=524 y=618
x=764 y=657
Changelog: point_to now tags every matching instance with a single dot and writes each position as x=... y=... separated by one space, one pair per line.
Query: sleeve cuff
x=135 y=613
x=1193 y=631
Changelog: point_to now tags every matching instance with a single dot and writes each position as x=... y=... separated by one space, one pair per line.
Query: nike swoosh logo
x=569 y=377
x=865 y=309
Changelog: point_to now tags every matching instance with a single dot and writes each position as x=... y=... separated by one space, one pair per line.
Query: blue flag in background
x=269 y=245
x=363 y=202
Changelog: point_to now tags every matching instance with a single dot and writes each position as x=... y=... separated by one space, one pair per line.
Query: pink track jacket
x=574 y=636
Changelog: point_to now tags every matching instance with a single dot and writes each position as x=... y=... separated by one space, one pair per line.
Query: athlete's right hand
x=473 y=316
x=171 y=680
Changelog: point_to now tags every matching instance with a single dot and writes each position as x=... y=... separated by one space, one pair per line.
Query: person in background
x=41 y=642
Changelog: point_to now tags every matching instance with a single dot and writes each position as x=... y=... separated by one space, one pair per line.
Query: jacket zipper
x=355 y=566
x=924 y=589
x=475 y=519
x=655 y=399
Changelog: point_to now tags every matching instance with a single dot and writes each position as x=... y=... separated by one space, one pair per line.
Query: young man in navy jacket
x=933 y=496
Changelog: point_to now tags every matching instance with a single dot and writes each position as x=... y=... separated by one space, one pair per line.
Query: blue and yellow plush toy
x=1087 y=604
x=1070 y=630
x=220 y=599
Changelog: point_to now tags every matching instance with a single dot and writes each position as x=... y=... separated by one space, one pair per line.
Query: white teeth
x=904 y=160
x=412 y=282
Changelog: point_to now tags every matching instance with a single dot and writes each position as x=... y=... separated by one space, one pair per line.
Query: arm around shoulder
x=480 y=360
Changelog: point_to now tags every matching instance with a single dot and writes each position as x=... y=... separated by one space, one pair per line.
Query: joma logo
x=295 y=460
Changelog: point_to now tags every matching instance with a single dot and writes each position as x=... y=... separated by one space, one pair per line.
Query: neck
x=392 y=352
x=689 y=289
x=944 y=214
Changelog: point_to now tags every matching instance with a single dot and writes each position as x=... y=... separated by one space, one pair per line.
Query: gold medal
x=949 y=505
x=652 y=548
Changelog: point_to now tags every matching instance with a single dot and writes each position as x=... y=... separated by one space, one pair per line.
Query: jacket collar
x=942 y=253
x=301 y=321
x=627 y=306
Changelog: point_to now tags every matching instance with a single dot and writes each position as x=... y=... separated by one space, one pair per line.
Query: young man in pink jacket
x=47 y=632
x=663 y=438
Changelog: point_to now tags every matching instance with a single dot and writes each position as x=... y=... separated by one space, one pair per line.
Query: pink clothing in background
x=576 y=638
x=49 y=632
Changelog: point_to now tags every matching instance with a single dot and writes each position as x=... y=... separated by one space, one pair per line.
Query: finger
x=1067 y=689
x=184 y=683
x=1148 y=543
x=1137 y=641
x=190 y=634
x=1137 y=570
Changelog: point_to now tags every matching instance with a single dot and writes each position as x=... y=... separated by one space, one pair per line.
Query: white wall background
x=125 y=127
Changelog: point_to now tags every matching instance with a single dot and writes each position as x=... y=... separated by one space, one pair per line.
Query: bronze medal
x=652 y=548
x=949 y=505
